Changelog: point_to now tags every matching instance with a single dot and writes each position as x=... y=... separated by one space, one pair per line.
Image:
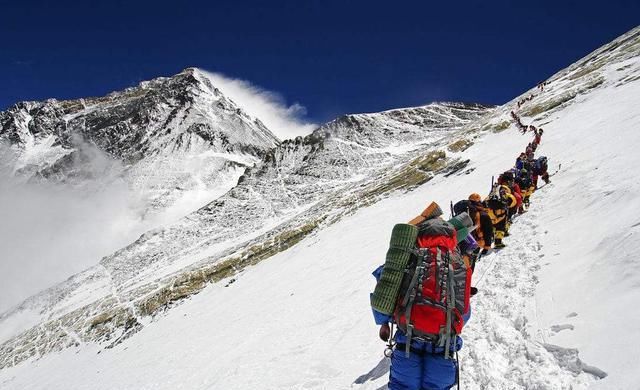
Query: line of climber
x=541 y=85
x=509 y=196
x=522 y=127
x=424 y=287
x=525 y=99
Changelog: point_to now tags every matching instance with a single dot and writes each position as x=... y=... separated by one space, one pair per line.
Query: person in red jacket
x=538 y=136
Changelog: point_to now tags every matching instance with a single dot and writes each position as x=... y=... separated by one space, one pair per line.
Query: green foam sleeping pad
x=385 y=295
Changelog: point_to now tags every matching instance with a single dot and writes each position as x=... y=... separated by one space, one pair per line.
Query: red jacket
x=517 y=193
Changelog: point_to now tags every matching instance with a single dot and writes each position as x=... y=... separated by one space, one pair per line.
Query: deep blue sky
x=333 y=57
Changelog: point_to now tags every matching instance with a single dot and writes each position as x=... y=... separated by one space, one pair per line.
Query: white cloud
x=51 y=231
x=284 y=121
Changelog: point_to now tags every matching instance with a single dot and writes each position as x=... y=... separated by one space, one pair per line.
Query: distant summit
x=167 y=135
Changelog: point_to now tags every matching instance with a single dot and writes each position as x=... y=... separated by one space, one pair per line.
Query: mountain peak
x=159 y=125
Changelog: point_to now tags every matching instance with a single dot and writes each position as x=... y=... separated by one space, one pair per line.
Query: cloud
x=285 y=121
x=50 y=231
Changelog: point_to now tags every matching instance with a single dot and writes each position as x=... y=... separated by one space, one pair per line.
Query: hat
x=475 y=197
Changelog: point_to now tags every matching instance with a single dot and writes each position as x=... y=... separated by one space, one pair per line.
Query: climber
x=539 y=169
x=497 y=208
x=525 y=182
x=483 y=232
x=511 y=206
x=538 y=136
x=508 y=179
x=415 y=362
x=529 y=154
x=520 y=161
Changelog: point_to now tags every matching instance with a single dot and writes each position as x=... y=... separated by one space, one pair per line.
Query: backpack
x=540 y=165
x=524 y=182
x=505 y=177
x=495 y=202
x=461 y=207
x=435 y=289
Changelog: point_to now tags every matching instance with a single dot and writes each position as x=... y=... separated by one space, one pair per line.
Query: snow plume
x=92 y=163
x=284 y=121
x=52 y=231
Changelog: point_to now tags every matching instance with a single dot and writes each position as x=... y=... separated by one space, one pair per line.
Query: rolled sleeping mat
x=463 y=224
x=432 y=211
x=385 y=295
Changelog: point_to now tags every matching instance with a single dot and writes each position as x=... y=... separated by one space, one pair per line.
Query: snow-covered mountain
x=299 y=185
x=167 y=136
x=320 y=208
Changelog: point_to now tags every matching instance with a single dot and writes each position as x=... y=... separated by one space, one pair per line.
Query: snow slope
x=299 y=187
x=554 y=311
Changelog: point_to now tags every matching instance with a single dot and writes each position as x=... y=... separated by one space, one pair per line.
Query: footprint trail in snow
x=499 y=351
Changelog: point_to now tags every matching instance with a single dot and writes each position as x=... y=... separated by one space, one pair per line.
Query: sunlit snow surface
x=556 y=308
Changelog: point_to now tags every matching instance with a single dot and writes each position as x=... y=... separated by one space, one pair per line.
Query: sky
x=326 y=58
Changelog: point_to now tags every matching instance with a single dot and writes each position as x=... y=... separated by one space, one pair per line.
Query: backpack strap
x=451 y=296
x=436 y=271
x=409 y=299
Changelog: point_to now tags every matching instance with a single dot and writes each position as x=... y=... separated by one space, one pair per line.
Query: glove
x=385 y=332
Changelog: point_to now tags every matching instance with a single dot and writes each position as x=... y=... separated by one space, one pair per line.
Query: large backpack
x=435 y=290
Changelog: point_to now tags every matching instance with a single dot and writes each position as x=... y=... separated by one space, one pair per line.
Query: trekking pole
x=451 y=208
x=486 y=270
x=491 y=185
x=557 y=170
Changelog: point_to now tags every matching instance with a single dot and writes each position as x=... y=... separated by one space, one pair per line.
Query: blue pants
x=421 y=371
